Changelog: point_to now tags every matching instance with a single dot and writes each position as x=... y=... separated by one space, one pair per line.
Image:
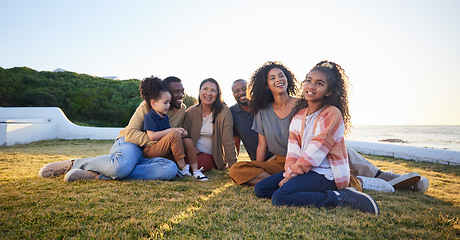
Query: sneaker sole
x=405 y=180
x=374 y=203
x=202 y=179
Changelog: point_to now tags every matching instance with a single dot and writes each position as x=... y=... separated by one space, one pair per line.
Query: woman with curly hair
x=273 y=90
x=316 y=171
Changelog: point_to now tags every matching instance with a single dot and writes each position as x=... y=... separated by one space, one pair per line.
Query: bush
x=86 y=99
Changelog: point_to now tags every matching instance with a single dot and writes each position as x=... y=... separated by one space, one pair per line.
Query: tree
x=189 y=101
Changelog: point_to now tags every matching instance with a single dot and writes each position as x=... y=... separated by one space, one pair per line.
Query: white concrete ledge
x=407 y=152
x=22 y=125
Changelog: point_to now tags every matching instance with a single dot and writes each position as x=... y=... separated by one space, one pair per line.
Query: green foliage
x=190 y=101
x=92 y=100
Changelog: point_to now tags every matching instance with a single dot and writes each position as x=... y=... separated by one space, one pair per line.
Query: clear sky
x=402 y=56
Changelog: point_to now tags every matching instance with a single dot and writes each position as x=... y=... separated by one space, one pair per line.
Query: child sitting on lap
x=170 y=142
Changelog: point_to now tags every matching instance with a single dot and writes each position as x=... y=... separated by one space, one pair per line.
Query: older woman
x=210 y=126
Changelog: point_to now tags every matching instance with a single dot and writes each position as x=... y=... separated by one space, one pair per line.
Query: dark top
x=242 y=124
x=155 y=122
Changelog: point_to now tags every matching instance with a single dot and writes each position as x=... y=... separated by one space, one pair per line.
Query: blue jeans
x=125 y=160
x=307 y=189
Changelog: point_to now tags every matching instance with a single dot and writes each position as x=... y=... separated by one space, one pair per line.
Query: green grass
x=32 y=207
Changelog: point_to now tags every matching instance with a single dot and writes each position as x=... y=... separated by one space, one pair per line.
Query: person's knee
x=259 y=191
x=169 y=170
x=119 y=166
x=174 y=135
x=234 y=169
x=278 y=198
x=188 y=142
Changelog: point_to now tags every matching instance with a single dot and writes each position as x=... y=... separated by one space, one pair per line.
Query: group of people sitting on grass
x=296 y=144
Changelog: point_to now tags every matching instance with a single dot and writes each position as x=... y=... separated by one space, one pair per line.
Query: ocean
x=437 y=137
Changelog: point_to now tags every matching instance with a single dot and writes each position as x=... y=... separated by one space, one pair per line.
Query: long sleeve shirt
x=328 y=141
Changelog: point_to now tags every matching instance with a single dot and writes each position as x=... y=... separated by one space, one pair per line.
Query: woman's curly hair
x=218 y=105
x=259 y=94
x=151 y=88
x=337 y=82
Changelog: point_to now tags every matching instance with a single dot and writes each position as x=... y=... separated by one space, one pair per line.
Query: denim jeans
x=307 y=189
x=125 y=160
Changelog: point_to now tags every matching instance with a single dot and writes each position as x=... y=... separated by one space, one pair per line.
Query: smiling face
x=239 y=92
x=162 y=104
x=176 y=89
x=277 y=81
x=315 y=87
x=208 y=93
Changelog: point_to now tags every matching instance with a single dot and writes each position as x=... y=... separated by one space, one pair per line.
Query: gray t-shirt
x=275 y=129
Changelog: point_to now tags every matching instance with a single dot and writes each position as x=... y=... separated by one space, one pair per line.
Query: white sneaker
x=376 y=184
x=421 y=186
x=185 y=171
x=405 y=180
x=399 y=181
x=199 y=175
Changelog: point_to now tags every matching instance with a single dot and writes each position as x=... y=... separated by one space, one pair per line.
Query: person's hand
x=298 y=169
x=289 y=174
x=182 y=131
x=283 y=181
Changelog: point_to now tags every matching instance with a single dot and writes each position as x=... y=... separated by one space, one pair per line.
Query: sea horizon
x=445 y=137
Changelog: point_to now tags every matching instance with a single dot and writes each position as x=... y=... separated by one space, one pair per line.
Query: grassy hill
x=85 y=99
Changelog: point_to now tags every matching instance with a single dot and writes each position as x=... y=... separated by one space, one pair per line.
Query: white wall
x=407 y=152
x=22 y=125
x=28 y=124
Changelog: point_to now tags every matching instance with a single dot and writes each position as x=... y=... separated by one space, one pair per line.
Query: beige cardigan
x=134 y=133
x=223 y=146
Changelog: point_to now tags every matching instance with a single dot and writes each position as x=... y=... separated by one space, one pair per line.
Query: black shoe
x=350 y=197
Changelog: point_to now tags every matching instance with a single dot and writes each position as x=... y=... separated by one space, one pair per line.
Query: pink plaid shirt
x=328 y=141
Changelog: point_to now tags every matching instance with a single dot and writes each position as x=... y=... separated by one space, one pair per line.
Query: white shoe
x=406 y=180
x=199 y=175
x=185 y=171
x=421 y=186
x=399 y=181
x=376 y=184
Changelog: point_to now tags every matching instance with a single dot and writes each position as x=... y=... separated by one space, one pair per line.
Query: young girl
x=316 y=169
x=170 y=142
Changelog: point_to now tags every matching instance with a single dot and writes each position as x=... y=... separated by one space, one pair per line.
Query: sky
x=402 y=57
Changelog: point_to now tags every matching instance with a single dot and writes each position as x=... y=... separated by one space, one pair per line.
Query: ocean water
x=437 y=137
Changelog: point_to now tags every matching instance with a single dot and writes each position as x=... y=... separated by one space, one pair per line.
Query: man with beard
x=125 y=160
x=369 y=175
x=242 y=121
